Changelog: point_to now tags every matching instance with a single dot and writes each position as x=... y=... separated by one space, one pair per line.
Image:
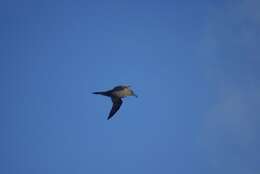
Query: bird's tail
x=102 y=93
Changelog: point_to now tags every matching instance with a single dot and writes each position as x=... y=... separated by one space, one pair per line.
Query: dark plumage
x=116 y=94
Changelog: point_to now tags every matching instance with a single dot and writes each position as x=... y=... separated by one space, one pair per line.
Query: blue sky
x=194 y=65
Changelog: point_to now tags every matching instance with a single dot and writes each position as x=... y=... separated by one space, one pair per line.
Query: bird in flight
x=116 y=94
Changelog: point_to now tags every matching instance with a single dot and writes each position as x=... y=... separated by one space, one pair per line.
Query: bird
x=116 y=94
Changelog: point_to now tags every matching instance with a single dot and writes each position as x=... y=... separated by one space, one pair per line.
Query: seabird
x=116 y=94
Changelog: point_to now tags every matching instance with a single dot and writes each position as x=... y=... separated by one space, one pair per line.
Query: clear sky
x=194 y=64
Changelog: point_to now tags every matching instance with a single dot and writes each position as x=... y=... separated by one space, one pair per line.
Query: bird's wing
x=117 y=102
x=118 y=88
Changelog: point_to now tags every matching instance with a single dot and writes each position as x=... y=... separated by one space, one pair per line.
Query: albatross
x=116 y=94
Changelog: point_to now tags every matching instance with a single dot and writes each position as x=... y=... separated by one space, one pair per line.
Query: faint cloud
x=229 y=46
x=229 y=134
x=234 y=116
x=232 y=30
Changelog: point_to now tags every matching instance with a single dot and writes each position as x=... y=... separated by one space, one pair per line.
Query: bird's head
x=131 y=92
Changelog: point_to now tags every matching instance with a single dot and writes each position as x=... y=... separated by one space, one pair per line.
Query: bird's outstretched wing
x=117 y=102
